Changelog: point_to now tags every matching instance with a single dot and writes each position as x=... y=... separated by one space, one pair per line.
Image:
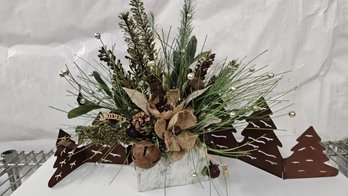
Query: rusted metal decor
x=308 y=158
x=307 y=161
x=70 y=156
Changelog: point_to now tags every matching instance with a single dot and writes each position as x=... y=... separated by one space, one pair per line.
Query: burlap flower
x=172 y=97
x=182 y=142
x=173 y=119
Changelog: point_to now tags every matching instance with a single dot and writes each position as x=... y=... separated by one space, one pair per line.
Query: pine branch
x=140 y=39
x=118 y=73
x=181 y=66
x=234 y=94
x=186 y=28
x=132 y=37
x=144 y=28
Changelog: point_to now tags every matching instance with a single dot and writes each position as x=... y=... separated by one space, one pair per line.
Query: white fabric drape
x=308 y=38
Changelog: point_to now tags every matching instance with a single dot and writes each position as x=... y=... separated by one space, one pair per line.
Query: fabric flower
x=182 y=142
x=172 y=97
x=173 y=119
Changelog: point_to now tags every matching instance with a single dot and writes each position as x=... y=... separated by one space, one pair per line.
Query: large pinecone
x=141 y=121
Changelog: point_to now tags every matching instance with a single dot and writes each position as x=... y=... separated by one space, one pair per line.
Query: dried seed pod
x=196 y=84
x=203 y=66
x=165 y=107
x=214 y=170
x=145 y=154
x=132 y=132
x=177 y=130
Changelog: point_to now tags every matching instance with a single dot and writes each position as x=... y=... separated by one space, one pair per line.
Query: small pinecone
x=140 y=121
x=202 y=68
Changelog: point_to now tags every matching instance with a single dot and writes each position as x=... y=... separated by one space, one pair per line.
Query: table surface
x=243 y=180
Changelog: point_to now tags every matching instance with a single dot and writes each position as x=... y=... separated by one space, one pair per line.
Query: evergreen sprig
x=103 y=133
x=136 y=54
x=185 y=45
x=186 y=27
x=147 y=46
x=236 y=90
x=118 y=72
x=144 y=28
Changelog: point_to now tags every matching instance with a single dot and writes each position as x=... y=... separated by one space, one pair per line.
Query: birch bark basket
x=167 y=173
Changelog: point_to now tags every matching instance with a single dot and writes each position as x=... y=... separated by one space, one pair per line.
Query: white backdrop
x=308 y=37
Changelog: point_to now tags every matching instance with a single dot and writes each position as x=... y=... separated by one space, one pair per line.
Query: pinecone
x=141 y=121
x=202 y=67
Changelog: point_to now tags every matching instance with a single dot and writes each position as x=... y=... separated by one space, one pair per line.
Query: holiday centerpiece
x=174 y=108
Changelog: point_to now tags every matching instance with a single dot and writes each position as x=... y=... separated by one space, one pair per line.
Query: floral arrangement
x=172 y=97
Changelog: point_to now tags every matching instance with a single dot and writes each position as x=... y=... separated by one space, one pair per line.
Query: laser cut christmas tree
x=70 y=156
x=261 y=141
x=308 y=160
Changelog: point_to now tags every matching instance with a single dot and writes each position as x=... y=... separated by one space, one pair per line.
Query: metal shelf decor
x=15 y=167
x=337 y=151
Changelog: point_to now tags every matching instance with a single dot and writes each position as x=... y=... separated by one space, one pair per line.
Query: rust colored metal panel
x=70 y=156
x=308 y=159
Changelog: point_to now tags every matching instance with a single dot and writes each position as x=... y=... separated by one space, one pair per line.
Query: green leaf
x=102 y=83
x=195 y=94
x=204 y=171
x=118 y=101
x=191 y=50
x=176 y=58
x=81 y=110
x=202 y=55
x=175 y=72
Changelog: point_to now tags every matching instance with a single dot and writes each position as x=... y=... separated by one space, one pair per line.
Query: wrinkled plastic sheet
x=37 y=39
